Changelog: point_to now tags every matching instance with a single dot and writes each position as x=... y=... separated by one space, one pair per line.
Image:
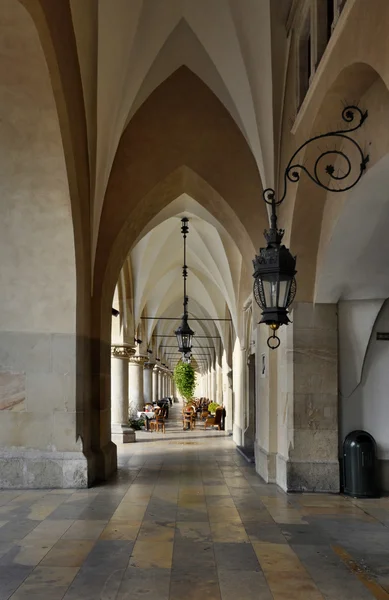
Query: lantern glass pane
x=284 y=292
x=270 y=289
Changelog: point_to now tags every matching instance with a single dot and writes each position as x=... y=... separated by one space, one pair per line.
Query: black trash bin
x=360 y=467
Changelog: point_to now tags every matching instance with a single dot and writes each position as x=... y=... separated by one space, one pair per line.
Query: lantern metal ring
x=275 y=267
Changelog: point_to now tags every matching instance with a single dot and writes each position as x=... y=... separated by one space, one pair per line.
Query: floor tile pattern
x=187 y=518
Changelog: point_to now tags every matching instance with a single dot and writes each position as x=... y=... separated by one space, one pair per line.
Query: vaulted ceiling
x=214 y=278
x=126 y=53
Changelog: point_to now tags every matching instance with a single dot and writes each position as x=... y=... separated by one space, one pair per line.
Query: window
x=341 y=4
x=329 y=18
x=304 y=59
x=323 y=23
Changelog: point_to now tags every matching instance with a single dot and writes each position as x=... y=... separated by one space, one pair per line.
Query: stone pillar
x=155 y=384
x=148 y=382
x=159 y=394
x=219 y=383
x=213 y=384
x=120 y=430
x=307 y=457
x=135 y=383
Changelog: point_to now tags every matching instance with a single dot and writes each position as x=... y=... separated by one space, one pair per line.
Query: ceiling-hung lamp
x=184 y=333
x=275 y=266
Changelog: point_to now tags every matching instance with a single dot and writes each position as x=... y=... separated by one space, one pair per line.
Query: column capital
x=119 y=351
x=149 y=365
x=138 y=359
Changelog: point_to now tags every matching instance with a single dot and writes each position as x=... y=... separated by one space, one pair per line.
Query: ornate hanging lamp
x=184 y=333
x=275 y=266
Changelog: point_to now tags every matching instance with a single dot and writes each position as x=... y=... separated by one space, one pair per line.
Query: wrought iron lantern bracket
x=274 y=266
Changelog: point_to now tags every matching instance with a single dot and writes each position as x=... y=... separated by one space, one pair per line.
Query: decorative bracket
x=293 y=169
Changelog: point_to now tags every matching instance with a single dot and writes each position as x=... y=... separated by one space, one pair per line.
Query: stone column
x=120 y=429
x=159 y=394
x=213 y=384
x=155 y=384
x=148 y=382
x=219 y=383
x=135 y=383
x=307 y=456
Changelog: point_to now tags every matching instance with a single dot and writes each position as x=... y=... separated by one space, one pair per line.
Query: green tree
x=185 y=379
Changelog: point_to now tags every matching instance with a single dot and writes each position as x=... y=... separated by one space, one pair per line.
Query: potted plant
x=185 y=379
x=212 y=406
x=137 y=424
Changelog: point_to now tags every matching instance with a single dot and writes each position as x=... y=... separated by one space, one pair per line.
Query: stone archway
x=181 y=138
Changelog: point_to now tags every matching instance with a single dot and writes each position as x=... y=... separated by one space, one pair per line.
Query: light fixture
x=115 y=313
x=184 y=333
x=137 y=341
x=275 y=266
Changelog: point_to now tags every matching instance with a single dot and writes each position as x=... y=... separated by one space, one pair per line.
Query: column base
x=33 y=469
x=308 y=476
x=237 y=435
x=122 y=434
x=265 y=463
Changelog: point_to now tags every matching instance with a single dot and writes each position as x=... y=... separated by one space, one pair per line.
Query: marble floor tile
x=17 y=529
x=275 y=558
x=154 y=531
x=191 y=586
x=50 y=583
x=229 y=532
x=195 y=514
x=39 y=512
x=49 y=529
x=152 y=555
x=195 y=556
x=250 y=585
x=216 y=490
x=220 y=501
x=85 y=530
x=94 y=583
x=8 y=495
x=108 y=555
x=27 y=552
x=68 y=553
x=292 y=586
x=11 y=577
x=130 y=511
x=235 y=557
x=121 y=529
x=195 y=532
x=144 y=584
x=220 y=514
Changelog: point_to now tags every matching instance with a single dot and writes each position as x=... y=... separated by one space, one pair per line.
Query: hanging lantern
x=184 y=335
x=275 y=267
x=274 y=282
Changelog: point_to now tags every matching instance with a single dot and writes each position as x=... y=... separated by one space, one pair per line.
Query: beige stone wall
x=40 y=445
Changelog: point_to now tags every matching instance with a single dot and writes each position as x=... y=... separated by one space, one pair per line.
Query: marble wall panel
x=12 y=391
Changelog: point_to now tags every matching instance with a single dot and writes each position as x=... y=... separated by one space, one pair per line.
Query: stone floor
x=187 y=518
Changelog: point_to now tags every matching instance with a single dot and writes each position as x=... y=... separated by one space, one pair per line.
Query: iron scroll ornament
x=345 y=174
x=293 y=169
